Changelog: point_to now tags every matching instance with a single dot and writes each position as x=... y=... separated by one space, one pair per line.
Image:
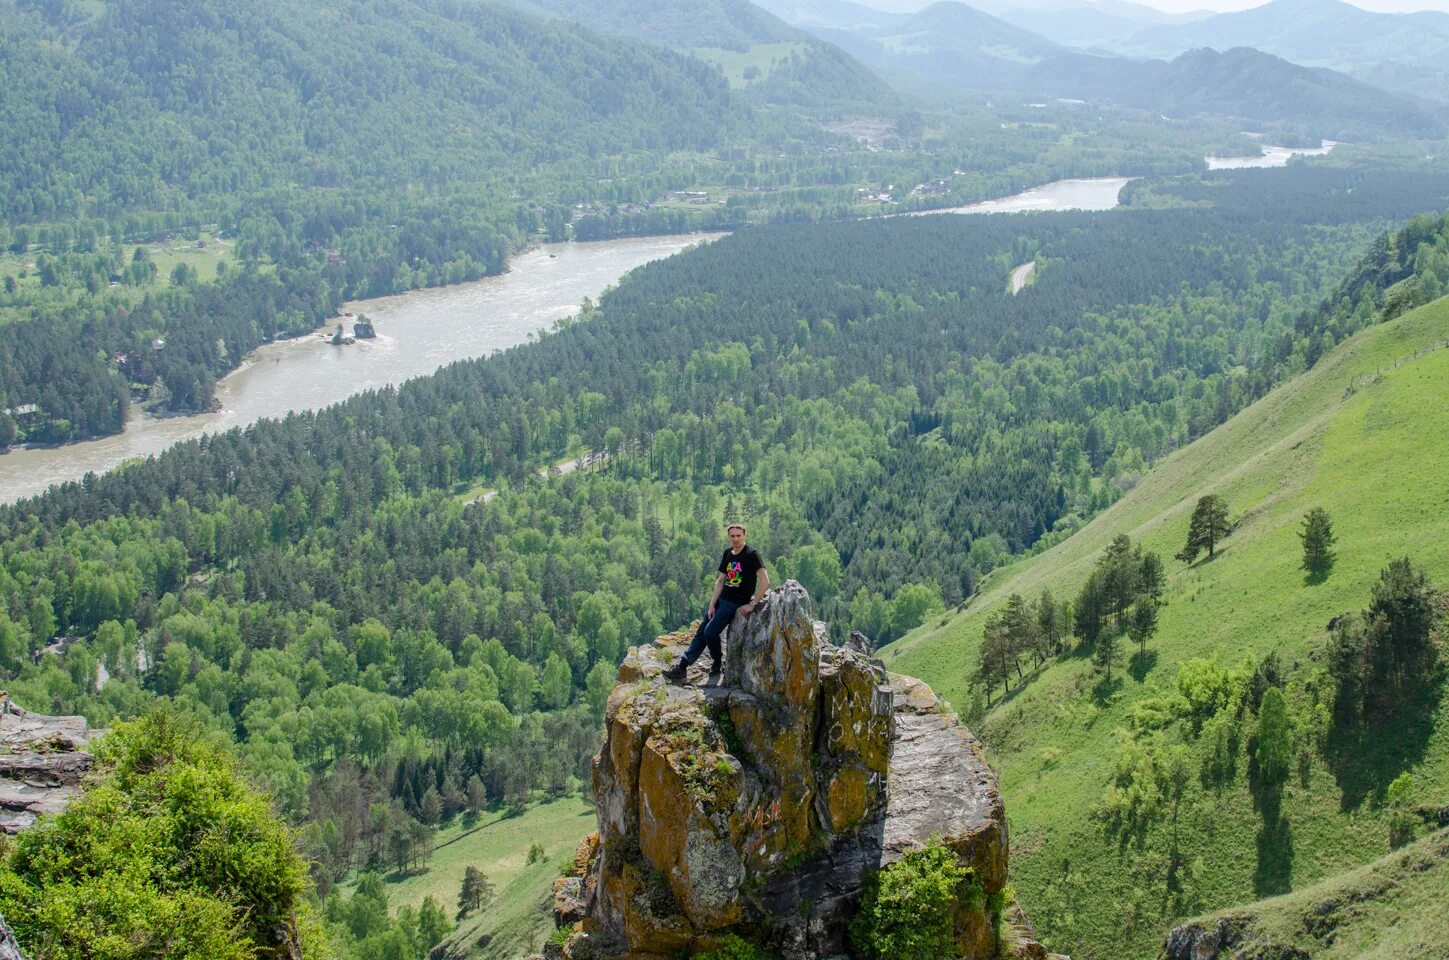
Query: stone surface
x=854 y=742
x=941 y=785
x=9 y=949
x=42 y=763
x=1193 y=941
x=761 y=804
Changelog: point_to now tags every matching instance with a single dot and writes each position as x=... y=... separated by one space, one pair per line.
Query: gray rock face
x=1195 y=942
x=761 y=804
x=9 y=949
x=42 y=763
x=942 y=786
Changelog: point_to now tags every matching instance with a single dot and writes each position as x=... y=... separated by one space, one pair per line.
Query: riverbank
x=428 y=328
x=420 y=331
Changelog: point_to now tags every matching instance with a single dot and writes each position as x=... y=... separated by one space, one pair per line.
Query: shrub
x=169 y=853
x=909 y=908
x=732 y=947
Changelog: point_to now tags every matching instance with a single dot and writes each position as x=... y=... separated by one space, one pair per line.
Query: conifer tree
x=1050 y=622
x=1107 y=652
x=1144 y=622
x=475 y=893
x=1208 y=525
x=1317 y=537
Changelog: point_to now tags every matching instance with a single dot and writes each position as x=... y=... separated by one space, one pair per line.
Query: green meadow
x=1362 y=435
x=519 y=917
x=757 y=61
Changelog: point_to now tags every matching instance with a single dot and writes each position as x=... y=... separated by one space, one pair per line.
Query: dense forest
x=340 y=152
x=389 y=646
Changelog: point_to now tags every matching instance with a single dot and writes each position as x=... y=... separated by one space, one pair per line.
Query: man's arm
x=714 y=597
x=762 y=584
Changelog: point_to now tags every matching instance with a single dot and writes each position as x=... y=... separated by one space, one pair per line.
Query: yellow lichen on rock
x=760 y=804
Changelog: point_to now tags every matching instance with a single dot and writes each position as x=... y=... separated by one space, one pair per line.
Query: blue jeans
x=709 y=632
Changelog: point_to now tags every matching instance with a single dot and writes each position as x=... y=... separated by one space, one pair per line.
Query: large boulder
x=760 y=802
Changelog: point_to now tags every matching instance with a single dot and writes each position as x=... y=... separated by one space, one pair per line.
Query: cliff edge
x=42 y=762
x=761 y=804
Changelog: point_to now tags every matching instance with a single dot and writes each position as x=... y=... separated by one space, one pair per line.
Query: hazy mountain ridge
x=1256 y=87
x=1402 y=52
x=950 y=44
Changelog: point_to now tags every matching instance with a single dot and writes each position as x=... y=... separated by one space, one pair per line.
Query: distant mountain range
x=773 y=61
x=1071 y=23
x=1407 y=53
x=1257 y=87
x=951 y=47
x=947 y=45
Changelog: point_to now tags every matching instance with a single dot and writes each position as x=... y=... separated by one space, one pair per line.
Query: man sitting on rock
x=742 y=581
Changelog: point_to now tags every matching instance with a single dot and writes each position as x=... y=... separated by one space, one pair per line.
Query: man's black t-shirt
x=740 y=570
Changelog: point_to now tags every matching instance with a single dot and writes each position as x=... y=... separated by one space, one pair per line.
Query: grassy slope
x=1392 y=909
x=764 y=56
x=518 y=919
x=1375 y=459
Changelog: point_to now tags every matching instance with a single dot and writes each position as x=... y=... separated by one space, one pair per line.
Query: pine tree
x=431 y=807
x=995 y=656
x=1050 y=622
x=1151 y=578
x=1020 y=630
x=475 y=893
x=1144 y=622
x=1317 y=537
x=1208 y=525
x=1107 y=652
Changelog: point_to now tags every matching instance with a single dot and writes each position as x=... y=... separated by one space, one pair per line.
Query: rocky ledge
x=760 y=802
x=42 y=762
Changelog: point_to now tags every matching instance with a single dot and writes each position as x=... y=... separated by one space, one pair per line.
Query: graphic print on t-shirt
x=734 y=573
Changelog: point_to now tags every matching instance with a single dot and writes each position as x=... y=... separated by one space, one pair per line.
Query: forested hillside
x=353 y=149
x=1261 y=89
x=146 y=104
x=1402 y=52
x=953 y=50
x=419 y=143
x=777 y=63
x=391 y=648
x=1274 y=718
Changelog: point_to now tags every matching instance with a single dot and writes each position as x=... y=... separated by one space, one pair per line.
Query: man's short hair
x=733 y=525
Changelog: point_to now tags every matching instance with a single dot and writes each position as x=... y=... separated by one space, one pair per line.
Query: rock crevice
x=761 y=803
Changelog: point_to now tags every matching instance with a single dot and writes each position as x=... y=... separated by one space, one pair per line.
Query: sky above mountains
x=1187 y=6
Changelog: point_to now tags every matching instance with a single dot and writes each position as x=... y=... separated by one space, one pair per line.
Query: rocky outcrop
x=42 y=762
x=761 y=802
x=9 y=949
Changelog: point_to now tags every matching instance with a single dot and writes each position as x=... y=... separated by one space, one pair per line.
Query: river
x=422 y=330
x=418 y=332
x=1096 y=193
x=1272 y=157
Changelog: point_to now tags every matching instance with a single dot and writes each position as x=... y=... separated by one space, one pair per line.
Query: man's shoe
x=715 y=670
x=678 y=672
